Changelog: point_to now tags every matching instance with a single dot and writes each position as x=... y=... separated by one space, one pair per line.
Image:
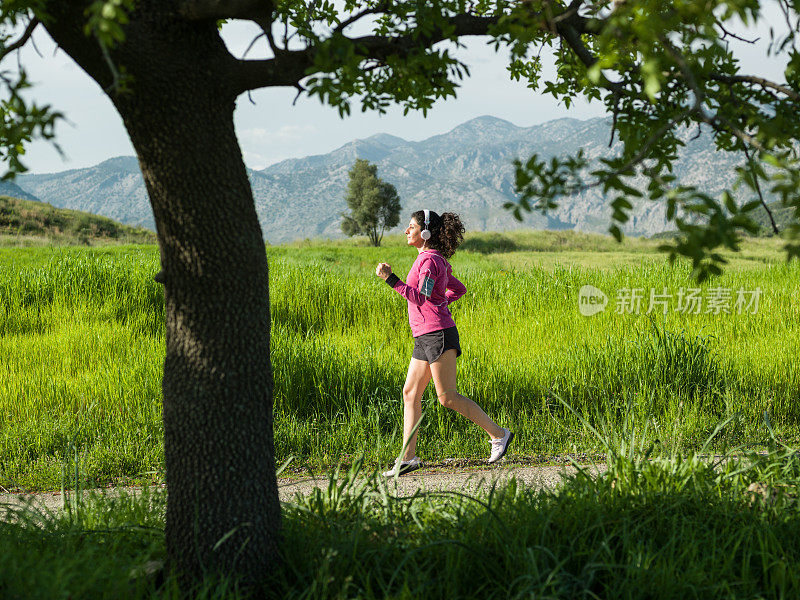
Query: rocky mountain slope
x=467 y=170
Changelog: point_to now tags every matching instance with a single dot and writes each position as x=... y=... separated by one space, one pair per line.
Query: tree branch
x=23 y=39
x=765 y=83
x=657 y=135
x=253 y=43
x=570 y=30
x=291 y=66
x=367 y=11
x=574 y=41
x=271 y=39
x=115 y=84
x=758 y=189
x=215 y=10
x=786 y=10
x=726 y=33
x=614 y=119
x=717 y=122
x=569 y=14
x=286 y=69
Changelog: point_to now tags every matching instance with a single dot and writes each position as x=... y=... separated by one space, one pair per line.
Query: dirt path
x=468 y=481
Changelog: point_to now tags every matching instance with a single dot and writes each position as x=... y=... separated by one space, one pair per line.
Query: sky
x=272 y=128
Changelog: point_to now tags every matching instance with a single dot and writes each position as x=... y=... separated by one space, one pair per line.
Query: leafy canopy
x=664 y=69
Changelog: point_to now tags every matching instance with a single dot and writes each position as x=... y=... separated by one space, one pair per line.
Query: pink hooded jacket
x=427 y=314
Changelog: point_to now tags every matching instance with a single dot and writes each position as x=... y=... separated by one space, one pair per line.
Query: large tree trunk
x=217 y=380
x=223 y=512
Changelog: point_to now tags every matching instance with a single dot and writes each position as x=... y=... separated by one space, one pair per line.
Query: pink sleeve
x=411 y=294
x=455 y=289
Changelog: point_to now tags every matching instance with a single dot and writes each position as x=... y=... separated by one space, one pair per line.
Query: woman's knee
x=448 y=399
x=411 y=394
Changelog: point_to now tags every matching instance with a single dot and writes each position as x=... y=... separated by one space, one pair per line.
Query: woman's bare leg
x=445 y=378
x=419 y=375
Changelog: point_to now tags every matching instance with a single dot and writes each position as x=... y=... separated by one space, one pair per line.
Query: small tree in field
x=374 y=203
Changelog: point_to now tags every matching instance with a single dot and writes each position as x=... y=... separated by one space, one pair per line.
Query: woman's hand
x=383 y=270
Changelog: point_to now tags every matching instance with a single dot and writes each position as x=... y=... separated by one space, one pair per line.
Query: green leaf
x=729 y=202
x=652 y=80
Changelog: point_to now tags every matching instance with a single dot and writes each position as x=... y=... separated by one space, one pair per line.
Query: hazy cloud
x=255 y=161
x=287 y=133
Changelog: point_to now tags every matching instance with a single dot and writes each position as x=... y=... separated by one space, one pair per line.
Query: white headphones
x=426 y=234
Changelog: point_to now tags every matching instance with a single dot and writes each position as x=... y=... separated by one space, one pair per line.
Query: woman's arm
x=413 y=295
x=406 y=291
x=455 y=289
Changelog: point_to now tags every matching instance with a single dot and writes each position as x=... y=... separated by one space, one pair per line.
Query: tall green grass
x=81 y=349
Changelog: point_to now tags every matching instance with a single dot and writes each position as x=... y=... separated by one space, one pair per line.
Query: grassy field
x=81 y=341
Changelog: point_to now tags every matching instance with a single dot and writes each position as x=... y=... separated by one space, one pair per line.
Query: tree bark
x=223 y=512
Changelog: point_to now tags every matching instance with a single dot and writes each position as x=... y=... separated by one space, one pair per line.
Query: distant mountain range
x=467 y=170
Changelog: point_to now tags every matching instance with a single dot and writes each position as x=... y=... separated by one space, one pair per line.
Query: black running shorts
x=430 y=346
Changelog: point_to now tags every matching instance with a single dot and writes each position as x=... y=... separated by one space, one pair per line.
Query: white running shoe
x=500 y=445
x=406 y=466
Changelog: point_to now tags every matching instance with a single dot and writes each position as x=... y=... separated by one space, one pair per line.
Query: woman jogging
x=429 y=289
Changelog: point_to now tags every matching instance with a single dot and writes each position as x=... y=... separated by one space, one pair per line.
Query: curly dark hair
x=447 y=231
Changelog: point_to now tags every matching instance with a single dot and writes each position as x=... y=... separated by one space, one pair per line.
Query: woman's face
x=414 y=234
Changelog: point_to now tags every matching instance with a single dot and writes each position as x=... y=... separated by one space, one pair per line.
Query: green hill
x=28 y=222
